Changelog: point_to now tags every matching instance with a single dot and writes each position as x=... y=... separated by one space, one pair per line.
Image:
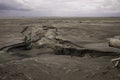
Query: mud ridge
x=48 y=37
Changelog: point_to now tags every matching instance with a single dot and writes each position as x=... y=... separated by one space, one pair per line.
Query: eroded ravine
x=44 y=39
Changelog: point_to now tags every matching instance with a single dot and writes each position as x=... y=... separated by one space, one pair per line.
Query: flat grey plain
x=92 y=33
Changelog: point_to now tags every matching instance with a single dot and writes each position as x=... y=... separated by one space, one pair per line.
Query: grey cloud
x=12 y=5
x=9 y=7
x=110 y=6
x=60 y=7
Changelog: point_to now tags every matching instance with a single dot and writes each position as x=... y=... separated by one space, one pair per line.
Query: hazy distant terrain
x=43 y=64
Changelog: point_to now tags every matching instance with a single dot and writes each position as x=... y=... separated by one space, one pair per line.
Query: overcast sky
x=60 y=8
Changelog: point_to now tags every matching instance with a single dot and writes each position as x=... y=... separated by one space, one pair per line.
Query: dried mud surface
x=46 y=63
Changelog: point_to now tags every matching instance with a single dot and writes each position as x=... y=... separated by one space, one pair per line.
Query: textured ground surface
x=43 y=64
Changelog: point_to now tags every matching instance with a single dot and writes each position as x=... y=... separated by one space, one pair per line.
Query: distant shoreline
x=56 y=17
